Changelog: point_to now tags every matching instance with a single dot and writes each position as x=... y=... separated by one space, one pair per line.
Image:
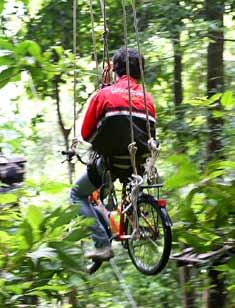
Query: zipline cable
x=94 y=43
x=123 y=284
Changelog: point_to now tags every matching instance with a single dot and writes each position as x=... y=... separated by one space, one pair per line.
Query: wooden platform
x=189 y=257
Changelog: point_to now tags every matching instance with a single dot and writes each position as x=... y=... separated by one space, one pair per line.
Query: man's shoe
x=102 y=254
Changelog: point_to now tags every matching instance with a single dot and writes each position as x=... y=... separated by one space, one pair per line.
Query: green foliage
x=22 y=56
x=185 y=174
x=205 y=207
x=41 y=244
x=227 y=99
x=1 y=5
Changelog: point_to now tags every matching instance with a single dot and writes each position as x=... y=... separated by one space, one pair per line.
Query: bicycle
x=143 y=226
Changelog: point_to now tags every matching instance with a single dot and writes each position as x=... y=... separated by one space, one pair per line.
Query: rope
x=132 y=148
x=152 y=144
x=94 y=42
x=106 y=80
x=123 y=284
x=105 y=34
x=74 y=67
x=141 y=68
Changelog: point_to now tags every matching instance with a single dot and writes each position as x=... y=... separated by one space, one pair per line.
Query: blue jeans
x=79 y=195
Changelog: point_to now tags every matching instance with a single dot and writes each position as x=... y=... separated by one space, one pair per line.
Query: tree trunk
x=215 y=75
x=65 y=131
x=178 y=88
x=73 y=298
x=188 y=296
x=178 y=91
x=216 y=295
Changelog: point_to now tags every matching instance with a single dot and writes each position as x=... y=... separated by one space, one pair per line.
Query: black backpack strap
x=92 y=169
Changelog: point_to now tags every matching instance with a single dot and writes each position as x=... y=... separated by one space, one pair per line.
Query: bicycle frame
x=152 y=225
x=118 y=228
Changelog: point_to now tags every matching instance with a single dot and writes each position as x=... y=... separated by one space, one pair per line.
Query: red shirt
x=113 y=101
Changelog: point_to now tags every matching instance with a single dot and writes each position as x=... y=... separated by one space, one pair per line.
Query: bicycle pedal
x=114 y=237
x=124 y=244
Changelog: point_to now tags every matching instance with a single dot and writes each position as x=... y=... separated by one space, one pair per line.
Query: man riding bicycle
x=106 y=126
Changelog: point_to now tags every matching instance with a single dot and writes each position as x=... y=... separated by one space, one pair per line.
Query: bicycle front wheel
x=149 y=248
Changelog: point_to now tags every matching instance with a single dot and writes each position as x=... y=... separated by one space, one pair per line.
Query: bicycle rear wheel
x=149 y=249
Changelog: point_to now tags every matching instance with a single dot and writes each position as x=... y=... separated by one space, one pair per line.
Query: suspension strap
x=94 y=42
x=141 y=68
x=74 y=65
x=74 y=142
x=106 y=79
x=152 y=144
x=132 y=146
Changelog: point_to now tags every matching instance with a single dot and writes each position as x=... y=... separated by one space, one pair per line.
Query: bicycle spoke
x=147 y=246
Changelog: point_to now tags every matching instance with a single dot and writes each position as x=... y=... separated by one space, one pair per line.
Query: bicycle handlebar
x=70 y=154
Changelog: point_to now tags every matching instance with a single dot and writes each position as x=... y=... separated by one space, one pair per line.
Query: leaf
x=193 y=241
x=7 y=75
x=222 y=166
x=65 y=218
x=28 y=47
x=218 y=114
x=214 y=174
x=215 y=98
x=1 y=5
x=76 y=235
x=59 y=50
x=7 y=60
x=57 y=212
x=34 y=216
x=223 y=268
x=68 y=256
x=4 y=237
x=27 y=232
x=231 y=263
x=232 y=287
x=40 y=294
x=199 y=101
x=227 y=99
x=53 y=187
x=6 y=45
x=7 y=198
x=53 y=288
x=185 y=174
x=26 y=2
x=42 y=252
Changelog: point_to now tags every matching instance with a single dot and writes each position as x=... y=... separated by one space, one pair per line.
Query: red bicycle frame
x=118 y=228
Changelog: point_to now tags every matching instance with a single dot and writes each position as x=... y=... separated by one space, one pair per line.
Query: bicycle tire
x=93 y=265
x=149 y=211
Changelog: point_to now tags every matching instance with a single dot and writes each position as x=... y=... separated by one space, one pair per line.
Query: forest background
x=190 y=70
